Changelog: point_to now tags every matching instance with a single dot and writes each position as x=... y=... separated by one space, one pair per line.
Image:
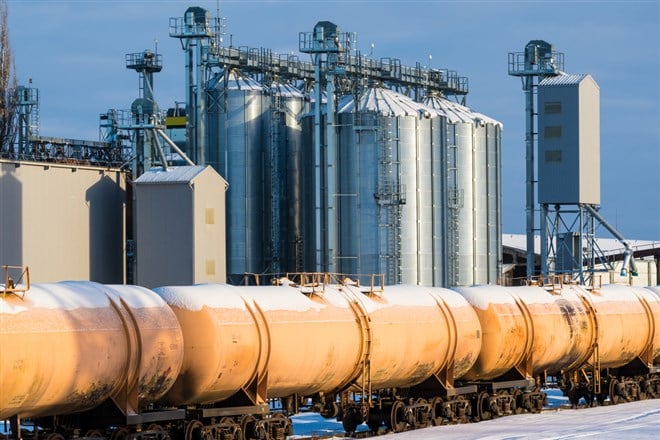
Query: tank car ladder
x=595 y=354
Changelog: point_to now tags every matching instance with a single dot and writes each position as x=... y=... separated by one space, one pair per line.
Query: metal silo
x=387 y=147
x=238 y=108
x=283 y=174
x=473 y=194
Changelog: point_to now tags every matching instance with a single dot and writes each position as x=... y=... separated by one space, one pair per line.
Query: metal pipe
x=529 y=180
x=154 y=139
x=544 y=239
x=331 y=178
x=190 y=98
x=628 y=253
x=174 y=147
x=318 y=230
x=200 y=108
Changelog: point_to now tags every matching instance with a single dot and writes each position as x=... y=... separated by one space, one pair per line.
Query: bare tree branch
x=8 y=87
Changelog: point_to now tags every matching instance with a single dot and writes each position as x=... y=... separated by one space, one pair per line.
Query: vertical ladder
x=454 y=205
x=389 y=207
x=275 y=181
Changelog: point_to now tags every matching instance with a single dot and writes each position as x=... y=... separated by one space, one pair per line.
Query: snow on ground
x=634 y=420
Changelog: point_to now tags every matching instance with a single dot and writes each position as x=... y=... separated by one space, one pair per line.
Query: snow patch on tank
x=195 y=298
x=66 y=295
x=451 y=298
x=6 y=308
x=135 y=296
x=483 y=296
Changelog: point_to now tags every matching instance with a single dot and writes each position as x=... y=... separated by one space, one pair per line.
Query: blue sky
x=74 y=53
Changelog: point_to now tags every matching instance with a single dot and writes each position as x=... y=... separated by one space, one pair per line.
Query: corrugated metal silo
x=238 y=108
x=388 y=151
x=473 y=194
x=283 y=174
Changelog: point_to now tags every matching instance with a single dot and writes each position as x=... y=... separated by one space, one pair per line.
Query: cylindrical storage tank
x=225 y=347
x=316 y=339
x=625 y=324
x=283 y=162
x=506 y=331
x=388 y=146
x=237 y=110
x=473 y=208
x=653 y=297
x=80 y=324
x=411 y=335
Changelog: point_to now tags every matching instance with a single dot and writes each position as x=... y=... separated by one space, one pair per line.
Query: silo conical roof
x=457 y=113
x=236 y=80
x=285 y=90
x=387 y=103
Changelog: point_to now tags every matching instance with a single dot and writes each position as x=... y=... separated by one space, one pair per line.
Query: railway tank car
x=69 y=347
x=208 y=361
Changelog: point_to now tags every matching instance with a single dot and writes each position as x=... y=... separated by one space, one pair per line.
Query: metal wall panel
x=180 y=227
x=569 y=140
x=63 y=221
x=209 y=233
x=159 y=231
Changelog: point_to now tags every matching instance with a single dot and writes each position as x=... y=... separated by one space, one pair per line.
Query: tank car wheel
x=351 y=419
x=194 y=431
x=330 y=410
x=437 y=413
x=284 y=422
x=94 y=433
x=464 y=410
x=162 y=433
x=483 y=406
x=119 y=434
x=374 y=420
x=398 y=417
x=248 y=428
x=55 y=436
x=614 y=392
x=422 y=413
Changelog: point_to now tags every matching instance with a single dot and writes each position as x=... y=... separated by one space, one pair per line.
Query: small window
x=210 y=267
x=210 y=216
x=553 y=131
x=553 y=156
x=551 y=108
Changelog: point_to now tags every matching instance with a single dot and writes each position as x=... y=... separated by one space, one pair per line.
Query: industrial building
x=344 y=164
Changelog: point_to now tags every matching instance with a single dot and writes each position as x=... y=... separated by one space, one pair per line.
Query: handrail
x=15 y=286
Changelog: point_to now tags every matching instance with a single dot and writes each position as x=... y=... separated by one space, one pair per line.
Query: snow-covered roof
x=286 y=90
x=171 y=175
x=564 y=79
x=236 y=80
x=457 y=113
x=388 y=103
x=609 y=246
